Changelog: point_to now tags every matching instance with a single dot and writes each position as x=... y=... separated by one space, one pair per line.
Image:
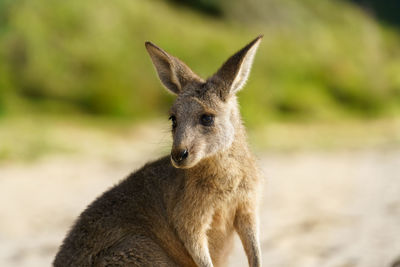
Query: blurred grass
x=326 y=74
x=318 y=60
x=28 y=139
x=348 y=134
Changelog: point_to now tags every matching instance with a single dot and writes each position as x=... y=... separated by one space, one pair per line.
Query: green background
x=318 y=59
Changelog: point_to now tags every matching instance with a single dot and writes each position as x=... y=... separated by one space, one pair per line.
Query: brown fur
x=180 y=213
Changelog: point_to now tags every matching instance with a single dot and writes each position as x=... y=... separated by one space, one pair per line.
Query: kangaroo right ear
x=235 y=71
x=173 y=73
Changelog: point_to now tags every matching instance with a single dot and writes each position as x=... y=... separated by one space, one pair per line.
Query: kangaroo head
x=204 y=115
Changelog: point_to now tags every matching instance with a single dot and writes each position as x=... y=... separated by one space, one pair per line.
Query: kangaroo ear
x=173 y=73
x=235 y=71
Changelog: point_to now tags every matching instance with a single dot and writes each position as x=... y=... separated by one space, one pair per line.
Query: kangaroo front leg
x=198 y=249
x=191 y=224
x=246 y=225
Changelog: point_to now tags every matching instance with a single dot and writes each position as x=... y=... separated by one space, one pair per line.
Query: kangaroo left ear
x=173 y=73
x=235 y=71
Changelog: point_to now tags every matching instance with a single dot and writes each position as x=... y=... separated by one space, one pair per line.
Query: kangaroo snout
x=178 y=155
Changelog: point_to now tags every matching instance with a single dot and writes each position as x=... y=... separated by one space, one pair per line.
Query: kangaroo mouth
x=180 y=164
x=183 y=164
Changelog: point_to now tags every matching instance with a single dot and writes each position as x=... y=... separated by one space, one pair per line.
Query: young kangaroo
x=183 y=209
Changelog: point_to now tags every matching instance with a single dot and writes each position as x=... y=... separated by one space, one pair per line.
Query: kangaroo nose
x=179 y=155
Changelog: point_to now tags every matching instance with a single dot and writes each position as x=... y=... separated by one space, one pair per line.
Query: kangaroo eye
x=173 y=119
x=207 y=120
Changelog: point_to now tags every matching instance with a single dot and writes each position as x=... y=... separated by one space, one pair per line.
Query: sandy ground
x=331 y=209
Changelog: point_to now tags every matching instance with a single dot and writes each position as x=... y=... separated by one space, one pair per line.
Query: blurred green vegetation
x=86 y=137
x=387 y=11
x=320 y=59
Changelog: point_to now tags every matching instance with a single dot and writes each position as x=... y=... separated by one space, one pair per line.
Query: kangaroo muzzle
x=179 y=155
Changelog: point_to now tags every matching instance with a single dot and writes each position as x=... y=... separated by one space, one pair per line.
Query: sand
x=322 y=209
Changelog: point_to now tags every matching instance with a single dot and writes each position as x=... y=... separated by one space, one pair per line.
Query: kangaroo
x=183 y=209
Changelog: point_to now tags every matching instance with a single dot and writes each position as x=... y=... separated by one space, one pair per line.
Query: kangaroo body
x=183 y=209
